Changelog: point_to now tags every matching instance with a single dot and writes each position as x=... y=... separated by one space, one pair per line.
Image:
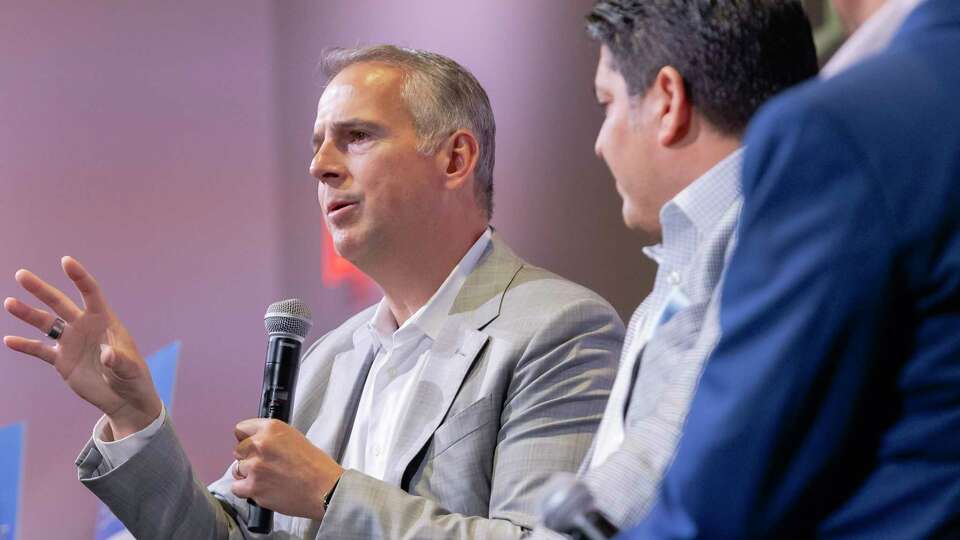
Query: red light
x=335 y=271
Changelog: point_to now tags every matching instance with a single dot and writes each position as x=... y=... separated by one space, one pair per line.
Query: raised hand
x=95 y=354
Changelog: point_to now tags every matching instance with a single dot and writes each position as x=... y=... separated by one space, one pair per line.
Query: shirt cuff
x=116 y=453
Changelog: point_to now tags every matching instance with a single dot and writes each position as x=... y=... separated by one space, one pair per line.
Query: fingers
x=241 y=489
x=123 y=368
x=33 y=347
x=242 y=482
x=248 y=428
x=48 y=294
x=236 y=472
x=92 y=297
x=57 y=301
x=249 y=446
x=247 y=478
x=39 y=319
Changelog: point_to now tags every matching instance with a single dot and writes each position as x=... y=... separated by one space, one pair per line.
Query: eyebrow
x=347 y=125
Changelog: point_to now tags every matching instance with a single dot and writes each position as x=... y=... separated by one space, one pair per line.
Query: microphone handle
x=276 y=401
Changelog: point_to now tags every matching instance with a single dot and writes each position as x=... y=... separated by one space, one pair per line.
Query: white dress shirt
x=116 y=453
x=686 y=220
x=400 y=357
x=387 y=390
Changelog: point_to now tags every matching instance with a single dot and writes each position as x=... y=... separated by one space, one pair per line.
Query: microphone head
x=565 y=499
x=289 y=316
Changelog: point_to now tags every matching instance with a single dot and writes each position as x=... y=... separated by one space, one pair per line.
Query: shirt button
x=673 y=278
x=376 y=451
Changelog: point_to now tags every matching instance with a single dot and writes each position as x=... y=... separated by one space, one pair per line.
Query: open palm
x=95 y=355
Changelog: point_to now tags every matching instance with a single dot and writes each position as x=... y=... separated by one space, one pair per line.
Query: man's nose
x=327 y=165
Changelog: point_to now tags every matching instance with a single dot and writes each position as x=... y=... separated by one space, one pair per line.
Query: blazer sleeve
x=625 y=484
x=552 y=408
x=805 y=323
x=156 y=495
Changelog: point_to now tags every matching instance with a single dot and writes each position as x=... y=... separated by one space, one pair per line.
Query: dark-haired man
x=831 y=406
x=678 y=82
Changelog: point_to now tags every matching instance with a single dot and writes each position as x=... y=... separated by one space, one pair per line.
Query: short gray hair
x=441 y=95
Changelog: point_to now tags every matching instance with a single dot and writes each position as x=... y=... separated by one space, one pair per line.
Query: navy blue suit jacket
x=831 y=406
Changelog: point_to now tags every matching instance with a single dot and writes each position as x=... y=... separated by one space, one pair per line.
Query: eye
x=358 y=136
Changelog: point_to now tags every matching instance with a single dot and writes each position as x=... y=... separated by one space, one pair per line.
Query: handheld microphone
x=569 y=509
x=287 y=323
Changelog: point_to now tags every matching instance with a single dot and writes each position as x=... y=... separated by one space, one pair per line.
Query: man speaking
x=433 y=414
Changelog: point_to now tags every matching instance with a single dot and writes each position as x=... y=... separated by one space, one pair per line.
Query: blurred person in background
x=831 y=406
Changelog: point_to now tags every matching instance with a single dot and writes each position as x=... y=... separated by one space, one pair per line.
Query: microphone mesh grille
x=291 y=316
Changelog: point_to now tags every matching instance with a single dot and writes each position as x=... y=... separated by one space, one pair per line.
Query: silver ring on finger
x=57 y=329
x=236 y=469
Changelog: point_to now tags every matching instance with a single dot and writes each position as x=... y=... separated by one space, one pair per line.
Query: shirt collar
x=429 y=319
x=872 y=37
x=690 y=215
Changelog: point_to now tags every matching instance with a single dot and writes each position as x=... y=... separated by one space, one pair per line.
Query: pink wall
x=140 y=139
x=166 y=146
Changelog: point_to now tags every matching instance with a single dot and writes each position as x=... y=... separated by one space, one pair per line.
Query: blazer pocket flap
x=463 y=423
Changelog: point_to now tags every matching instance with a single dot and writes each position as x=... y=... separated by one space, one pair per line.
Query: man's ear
x=672 y=107
x=459 y=154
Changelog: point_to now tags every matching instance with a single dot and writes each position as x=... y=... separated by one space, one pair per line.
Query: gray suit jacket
x=516 y=386
x=624 y=485
x=662 y=386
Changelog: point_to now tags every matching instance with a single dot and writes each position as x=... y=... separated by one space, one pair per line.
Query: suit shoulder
x=543 y=314
x=853 y=98
x=552 y=295
x=790 y=110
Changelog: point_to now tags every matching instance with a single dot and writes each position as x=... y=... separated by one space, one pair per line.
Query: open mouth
x=336 y=208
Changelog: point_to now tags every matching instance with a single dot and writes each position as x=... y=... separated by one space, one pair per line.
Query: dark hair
x=733 y=54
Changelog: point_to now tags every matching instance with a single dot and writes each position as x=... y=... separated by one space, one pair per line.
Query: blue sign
x=163 y=370
x=108 y=526
x=11 y=467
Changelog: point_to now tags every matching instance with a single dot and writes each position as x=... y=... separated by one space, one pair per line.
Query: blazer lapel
x=447 y=365
x=480 y=297
x=342 y=396
x=452 y=354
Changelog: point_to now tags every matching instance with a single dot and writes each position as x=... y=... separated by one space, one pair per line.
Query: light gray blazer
x=625 y=484
x=515 y=387
x=662 y=387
